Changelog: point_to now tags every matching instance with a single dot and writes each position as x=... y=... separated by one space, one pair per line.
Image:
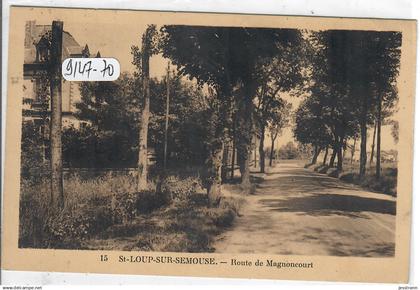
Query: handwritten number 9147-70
x=77 y=67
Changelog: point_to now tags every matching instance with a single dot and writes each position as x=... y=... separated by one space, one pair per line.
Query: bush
x=387 y=183
x=149 y=200
x=178 y=189
x=123 y=207
x=91 y=206
x=34 y=163
x=318 y=167
x=222 y=217
x=350 y=177
x=333 y=172
x=323 y=169
x=288 y=151
x=33 y=212
x=93 y=148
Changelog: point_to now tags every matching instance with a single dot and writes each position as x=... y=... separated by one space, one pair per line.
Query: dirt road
x=299 y=212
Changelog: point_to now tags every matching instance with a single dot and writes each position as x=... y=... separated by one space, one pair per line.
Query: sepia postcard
x=205 y=144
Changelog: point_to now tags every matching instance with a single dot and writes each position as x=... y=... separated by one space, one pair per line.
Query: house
x=36 y=106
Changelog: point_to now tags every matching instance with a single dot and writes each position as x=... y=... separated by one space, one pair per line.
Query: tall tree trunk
x=378 y=142
x=255 y=151
x=332 y=159
x=353 y=150
x=225 y=162
x=144 y=114
x=261 y=149
x=57 y=195
x=214 y=191
x=272 y=151
x=165 y=147
x=232 y=165
x=244 y=141
x=316 y=153
x=344 y=149
x=325 y=156
x=363 y=135
x=340 y=155
x=372 y=151
x=214 y=162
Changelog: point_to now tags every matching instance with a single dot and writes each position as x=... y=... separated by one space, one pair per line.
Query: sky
x=116 y=45
x=116 y=41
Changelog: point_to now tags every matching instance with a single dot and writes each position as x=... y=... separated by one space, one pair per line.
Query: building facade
x=36 y=104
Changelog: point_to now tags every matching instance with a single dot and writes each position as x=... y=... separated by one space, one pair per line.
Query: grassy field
x=106 y=212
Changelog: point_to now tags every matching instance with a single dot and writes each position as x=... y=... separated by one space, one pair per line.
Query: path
x=296 y=211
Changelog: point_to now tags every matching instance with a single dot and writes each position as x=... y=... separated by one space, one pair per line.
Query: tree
x=279 y=74
x=109 y=135
x=357 y=65
x=395 y=130
x=276 y=125
x=253 y=49
x=385 y=63
x=141 y=60
x=190 y=48
x=311 y=127
x=57 y=194
x=188 y=118
x=225 y=59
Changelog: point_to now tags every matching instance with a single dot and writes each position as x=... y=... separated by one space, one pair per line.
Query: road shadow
x=296 y=181
x=330 y=204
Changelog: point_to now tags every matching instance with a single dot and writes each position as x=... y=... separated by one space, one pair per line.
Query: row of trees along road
x=236 y=63
x=347 y=78
x=353 y=86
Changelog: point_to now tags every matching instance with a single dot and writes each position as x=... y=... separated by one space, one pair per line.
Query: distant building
x=36 y=54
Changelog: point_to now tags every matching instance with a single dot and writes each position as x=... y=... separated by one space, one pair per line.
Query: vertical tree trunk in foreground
x=255 y=151
x=261 y=149
x=232 y=165
x=316 y=153
x=225 y=156
x=214 y=181
x=244 y=141
x=378 y=141
x=363 y=133
x=353 y=150
x=57 y=196
x=372 y=151
x=340 y=156
x=332 y=159
x=325 y=156
x=144 y=114
x=272 y=151
x=165 y=148
x=214 y=162
x=344 y=150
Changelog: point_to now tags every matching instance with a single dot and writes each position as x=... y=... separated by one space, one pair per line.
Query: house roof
x=70 y=47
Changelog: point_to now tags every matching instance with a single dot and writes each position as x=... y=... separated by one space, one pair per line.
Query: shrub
x=288 y=151
x=91 y=206
x=323 y=169
x=223 y=217
x=33 y=212
x=318 y=167
x=68 y=228
x=124 y=207
x=350 y=177
x=34 y=165
x=149 y=200
x=177 y=188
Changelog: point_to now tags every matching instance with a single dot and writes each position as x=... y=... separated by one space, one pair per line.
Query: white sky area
x=118 y=45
